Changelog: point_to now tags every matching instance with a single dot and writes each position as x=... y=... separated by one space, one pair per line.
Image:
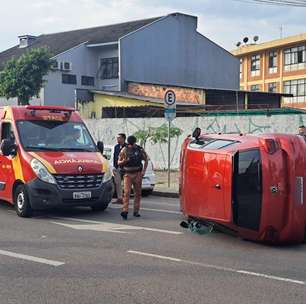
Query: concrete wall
x=171 y=52
x=107 y=129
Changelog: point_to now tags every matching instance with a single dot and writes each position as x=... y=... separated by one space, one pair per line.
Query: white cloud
x=223 y=21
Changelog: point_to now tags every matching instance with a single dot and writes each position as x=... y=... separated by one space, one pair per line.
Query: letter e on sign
x=170 y=99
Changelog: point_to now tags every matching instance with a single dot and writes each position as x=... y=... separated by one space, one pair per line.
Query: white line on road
x=31 y=258
x=149 y=209
x=215 y=267
x=108 y=227
x=159 y=203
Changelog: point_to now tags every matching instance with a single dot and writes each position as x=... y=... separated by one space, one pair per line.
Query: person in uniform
x=134 y=161
x=117 y=171
x=302 y=131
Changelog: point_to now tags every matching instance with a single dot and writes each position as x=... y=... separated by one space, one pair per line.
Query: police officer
x=302 y=131
x=117 y=171
x=131 y=158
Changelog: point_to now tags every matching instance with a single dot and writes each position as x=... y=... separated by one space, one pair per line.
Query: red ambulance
x=48 y=159
x=253 y=185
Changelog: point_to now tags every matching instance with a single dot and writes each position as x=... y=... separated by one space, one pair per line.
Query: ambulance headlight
x=107 y=175
x=42 y=172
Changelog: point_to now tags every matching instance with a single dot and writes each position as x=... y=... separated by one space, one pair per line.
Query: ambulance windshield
x=38 y=135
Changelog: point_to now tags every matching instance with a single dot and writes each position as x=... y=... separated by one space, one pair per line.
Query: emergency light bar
x=52 y=108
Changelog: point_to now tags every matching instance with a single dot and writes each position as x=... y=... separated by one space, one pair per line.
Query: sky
x=224 y=21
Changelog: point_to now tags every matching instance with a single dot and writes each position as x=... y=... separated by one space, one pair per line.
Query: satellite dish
x=245 y=39
x=238 y=43
x=255 y=38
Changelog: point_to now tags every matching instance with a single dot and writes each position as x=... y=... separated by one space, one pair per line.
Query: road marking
x=215 y=267
x=150 y=209
x=31 y=258
x=160 y=203
x=108 y=227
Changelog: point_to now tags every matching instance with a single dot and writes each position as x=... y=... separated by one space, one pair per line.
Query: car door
x=6 y=166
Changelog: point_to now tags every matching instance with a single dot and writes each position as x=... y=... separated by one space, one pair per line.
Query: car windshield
x=43 y=135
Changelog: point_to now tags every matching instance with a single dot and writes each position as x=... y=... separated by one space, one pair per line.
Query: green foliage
x=23 y=77
x=157 y=135
x=142 y=136
x=160 y=134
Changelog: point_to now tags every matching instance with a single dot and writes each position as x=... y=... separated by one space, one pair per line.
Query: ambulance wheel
x=99 y=207
x=21 y=202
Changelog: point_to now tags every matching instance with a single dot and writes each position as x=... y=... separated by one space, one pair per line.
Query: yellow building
x=276 y=66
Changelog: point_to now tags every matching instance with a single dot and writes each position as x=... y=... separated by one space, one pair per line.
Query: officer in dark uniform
x=117 y=171
x=302 y=131
x=131 y=158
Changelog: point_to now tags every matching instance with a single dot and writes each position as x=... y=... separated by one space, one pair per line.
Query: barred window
x=255 y=65
x=273 y=62
x=295 y=58
x=255 y=88
x=109 y=68
x=272 y=87
x=69 y=79
x=295 y=87
x=88 y=81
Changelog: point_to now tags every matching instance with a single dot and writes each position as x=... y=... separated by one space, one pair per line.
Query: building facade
x=161 y=50
x=278 y=66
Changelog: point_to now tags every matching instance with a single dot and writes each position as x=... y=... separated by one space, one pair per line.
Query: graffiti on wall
x=107 y=129
x=252 y=127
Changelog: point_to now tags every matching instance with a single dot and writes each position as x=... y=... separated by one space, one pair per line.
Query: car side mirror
x=8 y=147
x=100 y=146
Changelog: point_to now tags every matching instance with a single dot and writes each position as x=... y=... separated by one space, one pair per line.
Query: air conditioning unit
x=55 y=65
x=65 y=66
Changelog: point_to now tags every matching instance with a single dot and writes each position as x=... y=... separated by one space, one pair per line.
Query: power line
x=294 y=3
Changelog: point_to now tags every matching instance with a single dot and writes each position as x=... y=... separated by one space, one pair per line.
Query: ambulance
x=48 y=159
x=251 y=185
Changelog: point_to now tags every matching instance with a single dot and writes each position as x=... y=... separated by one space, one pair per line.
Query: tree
x=23 y=77
x=142 y=136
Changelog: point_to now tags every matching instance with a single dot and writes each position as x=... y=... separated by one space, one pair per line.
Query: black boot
x=124 y=215
x=136 y=214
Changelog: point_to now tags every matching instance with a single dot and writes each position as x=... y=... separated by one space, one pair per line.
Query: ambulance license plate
x=81 y=195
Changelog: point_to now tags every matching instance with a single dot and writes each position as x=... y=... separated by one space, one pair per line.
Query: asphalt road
x=78 y=256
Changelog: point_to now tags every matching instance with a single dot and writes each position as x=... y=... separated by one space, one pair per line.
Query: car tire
x=147 y=192
x=22 y=202
x=99 y=207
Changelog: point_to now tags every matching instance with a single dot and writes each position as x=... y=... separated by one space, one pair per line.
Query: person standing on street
x=302 y=131
x=131 y=158
x=117 y=171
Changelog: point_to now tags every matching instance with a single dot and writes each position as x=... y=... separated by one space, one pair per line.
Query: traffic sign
x=170 y=99
x=170 y=114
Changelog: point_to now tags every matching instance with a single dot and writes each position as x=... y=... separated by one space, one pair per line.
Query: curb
x=165 y=194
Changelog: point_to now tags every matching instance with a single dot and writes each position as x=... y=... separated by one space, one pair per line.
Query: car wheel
x=21 y=202
x=147 y=192
x=99 y=207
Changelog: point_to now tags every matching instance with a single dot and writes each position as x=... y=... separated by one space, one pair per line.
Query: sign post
x=170 y=114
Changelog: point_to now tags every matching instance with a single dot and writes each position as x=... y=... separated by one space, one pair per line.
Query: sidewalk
x=161 y=185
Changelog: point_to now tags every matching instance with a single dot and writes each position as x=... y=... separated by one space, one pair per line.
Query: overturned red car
x=250 y=184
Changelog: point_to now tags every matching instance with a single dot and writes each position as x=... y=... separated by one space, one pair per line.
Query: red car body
x=253 y=185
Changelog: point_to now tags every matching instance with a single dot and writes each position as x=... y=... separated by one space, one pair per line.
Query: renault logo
x=80 y=169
